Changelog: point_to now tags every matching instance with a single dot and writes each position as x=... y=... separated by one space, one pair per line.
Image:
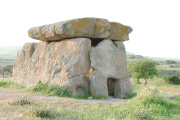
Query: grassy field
x=147 y=105
x=156 y=83
x=169 y=67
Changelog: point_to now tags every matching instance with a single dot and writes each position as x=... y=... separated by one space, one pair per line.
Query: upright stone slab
x=108 y=60
x=63 y=63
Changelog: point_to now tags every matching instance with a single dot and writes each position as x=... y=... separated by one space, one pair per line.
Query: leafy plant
x=143 y=69
x=134 y=94
x=52 y=90
x=6 y=83
x=7 y=68
x=22 y=101
x=44 y=114
x=172 y=79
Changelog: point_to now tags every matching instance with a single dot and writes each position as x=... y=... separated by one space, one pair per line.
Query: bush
x=44 y=114
x=7 y=83
x=130 y=96
x=52 y=89
x=172 y=79
x=22 y=101
x=170 y=61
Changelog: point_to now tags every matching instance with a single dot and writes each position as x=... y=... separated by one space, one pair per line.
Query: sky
x=155 y=23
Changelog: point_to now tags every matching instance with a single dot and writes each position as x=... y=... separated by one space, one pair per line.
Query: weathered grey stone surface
x=83 y=27
x=108 y=60
x=63 y=63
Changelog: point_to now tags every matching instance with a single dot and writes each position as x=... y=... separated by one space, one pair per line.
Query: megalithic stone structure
x=80 y=54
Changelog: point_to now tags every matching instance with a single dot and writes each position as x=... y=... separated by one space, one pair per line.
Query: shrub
x=22 y=101
x=170 y=61
x=172 y=79
x=52 y=90
x=58 y=91
x=7 y=83
x=44 y=114
x=130 y=96
x=40 y=87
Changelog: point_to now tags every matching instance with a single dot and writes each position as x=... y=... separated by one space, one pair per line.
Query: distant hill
x=9 y=52
x=8 y=55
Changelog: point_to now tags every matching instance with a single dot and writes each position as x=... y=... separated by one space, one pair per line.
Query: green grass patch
x=44 y=114
x=134 y=94
x=55 y=90
x=148 y=105
x=7 y=83
x=50 y=90
x=22 y=101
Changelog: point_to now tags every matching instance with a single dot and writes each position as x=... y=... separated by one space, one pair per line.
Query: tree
x=7 y=68
x=170 y=61
x=143 y=69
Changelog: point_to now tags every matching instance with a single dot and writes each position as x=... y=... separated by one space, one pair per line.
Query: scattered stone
x=90 y=98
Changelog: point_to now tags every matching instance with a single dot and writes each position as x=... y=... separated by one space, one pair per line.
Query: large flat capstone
x=83 y=27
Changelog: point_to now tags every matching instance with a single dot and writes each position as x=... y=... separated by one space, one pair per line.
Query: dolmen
x=82 y=55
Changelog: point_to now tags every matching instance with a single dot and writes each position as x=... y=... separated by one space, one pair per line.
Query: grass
x=55 y=90
x=7 y=83
x=147 y=105
x=157 y=83
x=52 y=90
x=22 y=101
x=44 y=114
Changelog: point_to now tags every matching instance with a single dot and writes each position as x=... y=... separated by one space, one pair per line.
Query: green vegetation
x=44 y=114
x=147 y=105
x=172 y=79
x=170 y=61
x=143 y=69
x=52 y=90
x=7 y=83
x=7 y=68
x=167 y=67
x=56 y=91
x=134 y=94
x=22 y=101
x=4 y=62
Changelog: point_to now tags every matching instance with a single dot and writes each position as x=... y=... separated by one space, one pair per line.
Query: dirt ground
x=8 y=95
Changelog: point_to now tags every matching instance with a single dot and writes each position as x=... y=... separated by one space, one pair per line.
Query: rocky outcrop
x=80 y=54
x=63 y=63
x=83 y=27
x=108 y=60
